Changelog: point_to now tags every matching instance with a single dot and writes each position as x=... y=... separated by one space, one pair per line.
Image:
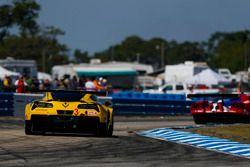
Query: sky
x=95 y=25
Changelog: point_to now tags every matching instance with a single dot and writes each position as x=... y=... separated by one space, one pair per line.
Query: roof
x=11 y=62
x=134 y=65
x=4 y=72
x=104 y=71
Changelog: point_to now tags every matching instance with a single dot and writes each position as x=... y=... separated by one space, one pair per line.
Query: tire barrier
x=135 y=103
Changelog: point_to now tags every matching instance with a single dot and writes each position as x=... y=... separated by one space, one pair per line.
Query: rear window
x=224 y=72
x=67 y=96
x=179 y=87
x=168 y=88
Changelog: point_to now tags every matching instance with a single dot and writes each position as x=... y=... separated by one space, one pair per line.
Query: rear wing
x=203 y=97
x=102 y=93
x=213 y=95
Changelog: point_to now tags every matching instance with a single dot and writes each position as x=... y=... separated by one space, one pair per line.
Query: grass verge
x=237 y=132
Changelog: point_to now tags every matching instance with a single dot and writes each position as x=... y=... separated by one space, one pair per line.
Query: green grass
x=239 y=132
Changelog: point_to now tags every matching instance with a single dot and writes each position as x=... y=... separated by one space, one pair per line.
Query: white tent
x=4 y=72
x=59 y=71
x=207 y=77
x=44 y=76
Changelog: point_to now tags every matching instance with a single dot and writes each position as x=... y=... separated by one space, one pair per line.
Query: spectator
x=35 y=83
x=73 y=83
x=55 y=83
x=98 y=84
x=89 y=85
x=1 y=85
x=61 y=84
x=47 y=84
x=7 y=84
x=66 y=83
x=28 y=80
x=20 y=85
x=190 y=89
x=104 y=82
x=81 y=82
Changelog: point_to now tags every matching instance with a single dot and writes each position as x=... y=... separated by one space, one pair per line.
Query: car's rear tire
x=102 y=130
x=111 y=127
x=106 y=129
x=28 y=127
x=199 y=119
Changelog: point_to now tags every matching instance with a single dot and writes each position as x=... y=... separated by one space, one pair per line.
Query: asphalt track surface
x=125 y=148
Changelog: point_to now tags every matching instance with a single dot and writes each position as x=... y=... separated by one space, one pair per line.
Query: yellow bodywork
x=50 y=108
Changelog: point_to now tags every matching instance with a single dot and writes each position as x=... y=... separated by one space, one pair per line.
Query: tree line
x=22 y=37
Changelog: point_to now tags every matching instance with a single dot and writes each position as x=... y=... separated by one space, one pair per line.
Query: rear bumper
x=59 y=123
x=225 y=117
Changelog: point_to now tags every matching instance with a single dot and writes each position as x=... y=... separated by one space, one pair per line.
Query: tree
x=81 y=57
x=151 y=51
x=35 y=48
x=129 y=48
x=33 y=41
x=25 y=13
x=126 y=51
x=230 y=50
x=6 y=20
x=21 y=13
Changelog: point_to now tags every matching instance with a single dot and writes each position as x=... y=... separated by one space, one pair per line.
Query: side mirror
x=35 y=104
x=107 y=104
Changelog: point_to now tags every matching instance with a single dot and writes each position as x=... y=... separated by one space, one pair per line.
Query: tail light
x=238 y=105
x=41 y=105
x=88 y=106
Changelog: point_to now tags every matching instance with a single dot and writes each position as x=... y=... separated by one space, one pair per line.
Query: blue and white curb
x=200 y=141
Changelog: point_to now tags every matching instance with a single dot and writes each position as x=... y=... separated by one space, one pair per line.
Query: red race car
x=220 y=108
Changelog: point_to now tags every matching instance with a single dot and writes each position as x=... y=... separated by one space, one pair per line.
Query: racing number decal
x=76 y=112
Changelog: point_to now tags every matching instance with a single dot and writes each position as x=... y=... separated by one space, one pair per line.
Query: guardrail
x=124 y=103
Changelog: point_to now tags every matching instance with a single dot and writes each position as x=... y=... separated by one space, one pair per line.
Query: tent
x=44 y=76
x=4 y=72
x=207 y=77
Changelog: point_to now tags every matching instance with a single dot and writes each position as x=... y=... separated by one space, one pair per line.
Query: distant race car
x=69 y=111
x=220 y=108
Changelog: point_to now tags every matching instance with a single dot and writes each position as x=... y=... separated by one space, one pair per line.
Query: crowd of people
x=25 y=84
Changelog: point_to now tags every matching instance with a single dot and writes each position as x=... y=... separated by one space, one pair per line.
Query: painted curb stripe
x=200 y=141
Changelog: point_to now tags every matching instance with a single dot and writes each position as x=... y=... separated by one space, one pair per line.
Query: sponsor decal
x=76 y=112
x=65 y=105
x=92 y=112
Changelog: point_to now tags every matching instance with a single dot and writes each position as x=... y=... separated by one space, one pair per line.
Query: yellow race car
x=69 y=111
